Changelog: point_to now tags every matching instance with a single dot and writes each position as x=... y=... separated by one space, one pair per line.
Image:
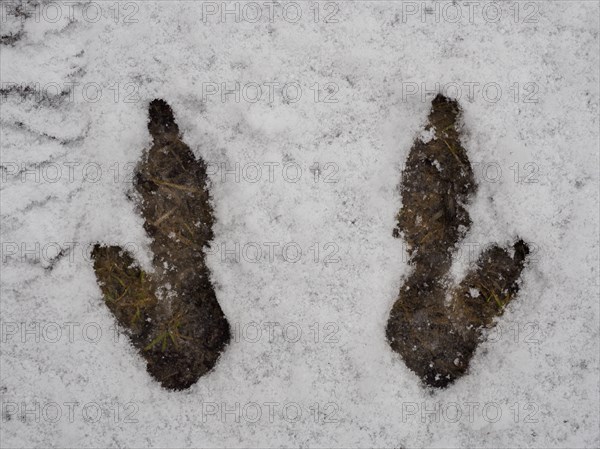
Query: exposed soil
x=433 y=326
x=171 y=315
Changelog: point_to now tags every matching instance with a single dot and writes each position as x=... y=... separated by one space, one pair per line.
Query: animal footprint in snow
x=434 y=327
x=172 y=314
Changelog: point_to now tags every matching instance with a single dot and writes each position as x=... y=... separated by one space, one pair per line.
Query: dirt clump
x=434 y=327
x=172 y=314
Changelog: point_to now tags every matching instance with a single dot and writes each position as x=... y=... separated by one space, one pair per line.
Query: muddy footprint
x=172 y=314
x=433 y=326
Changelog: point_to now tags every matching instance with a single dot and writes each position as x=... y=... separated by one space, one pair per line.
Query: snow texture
x=533 y=383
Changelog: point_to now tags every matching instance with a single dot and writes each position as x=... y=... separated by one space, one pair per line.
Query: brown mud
x=434 y=327
x=172 y=314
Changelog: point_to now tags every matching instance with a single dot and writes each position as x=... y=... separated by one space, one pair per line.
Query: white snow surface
x=534 y=383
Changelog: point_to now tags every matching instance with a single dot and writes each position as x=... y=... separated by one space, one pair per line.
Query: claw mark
x=171 y=315
x=437 y=338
